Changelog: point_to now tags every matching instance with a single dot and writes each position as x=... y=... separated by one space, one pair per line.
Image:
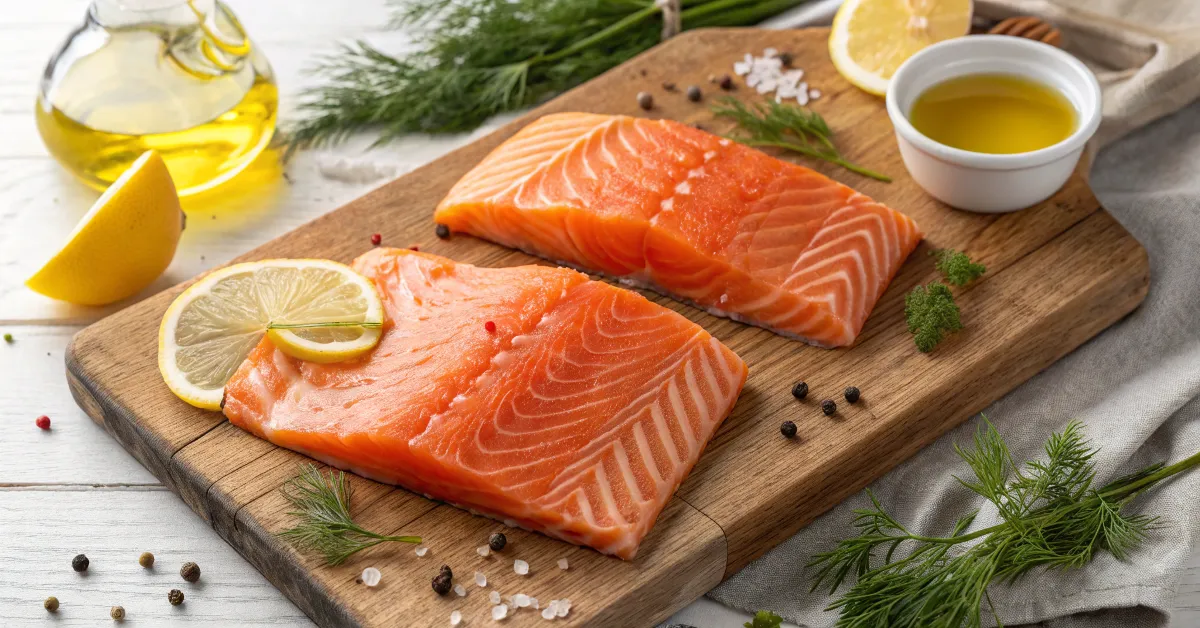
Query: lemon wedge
x=871 y=38
x=312 y=309
x=125 y=241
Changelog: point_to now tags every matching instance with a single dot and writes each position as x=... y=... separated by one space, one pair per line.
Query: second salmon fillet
x=695 y=216
x=532 y=395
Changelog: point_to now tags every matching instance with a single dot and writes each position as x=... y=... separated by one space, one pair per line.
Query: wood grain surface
x=751 y=489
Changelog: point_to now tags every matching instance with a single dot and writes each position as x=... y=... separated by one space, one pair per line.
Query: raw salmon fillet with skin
x=577 y=417
x=662 y=205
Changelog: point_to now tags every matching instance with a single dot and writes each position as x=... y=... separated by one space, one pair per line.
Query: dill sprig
x=789 y=127
x=472 y=59
x=322 y=505
x=1052 y=517
x=956 y=267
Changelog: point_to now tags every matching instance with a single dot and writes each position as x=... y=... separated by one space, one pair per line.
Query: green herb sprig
x=1052 y=516
x=956 y=267
x=764 y=619
x=930 y=310
x=473 y=59
x=322 y=506
x=789 y=127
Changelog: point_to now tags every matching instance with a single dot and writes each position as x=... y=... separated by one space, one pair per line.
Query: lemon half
x=212 y=326
x=125 y=241
x=871 y=38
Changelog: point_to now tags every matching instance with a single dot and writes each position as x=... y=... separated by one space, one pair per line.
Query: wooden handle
x=1029 y=27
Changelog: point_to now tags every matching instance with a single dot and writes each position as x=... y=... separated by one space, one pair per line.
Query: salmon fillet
x=662 y=205
x=577 y=416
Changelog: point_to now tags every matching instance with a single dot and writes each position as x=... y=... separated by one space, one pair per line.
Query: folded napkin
x=1136 y=386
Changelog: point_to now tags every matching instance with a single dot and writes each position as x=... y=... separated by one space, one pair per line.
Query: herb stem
x=811 y=152
x=600 y=37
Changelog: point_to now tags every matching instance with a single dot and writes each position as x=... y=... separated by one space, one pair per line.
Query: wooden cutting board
x=1057 y=275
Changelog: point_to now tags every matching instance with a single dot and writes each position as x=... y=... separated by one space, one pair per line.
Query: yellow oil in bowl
x=993 y=113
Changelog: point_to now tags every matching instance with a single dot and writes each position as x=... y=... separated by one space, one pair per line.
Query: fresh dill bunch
x=789 y=127
x=931 y=313
x=764 y=619
x=956 y=267
x=1051 y=515
x=472 y=59
x=322 y=505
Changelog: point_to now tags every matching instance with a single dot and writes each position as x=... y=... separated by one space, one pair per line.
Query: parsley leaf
x=764 y=619
x=931 y=313
x=958 y=269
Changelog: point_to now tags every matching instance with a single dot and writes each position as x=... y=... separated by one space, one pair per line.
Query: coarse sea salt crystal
x=494 y=597
x=814 y=94
x=371 y=576
x=548 y=612
x=499 y=612
x=521 y=567
x=521 y=600
x=421 y=551
x=564 y=607
x=562 y=562
x=480 y=579
x=533 y=601
x=460 y=590
x=455 y=618
x=770 y=52
x=483 y=550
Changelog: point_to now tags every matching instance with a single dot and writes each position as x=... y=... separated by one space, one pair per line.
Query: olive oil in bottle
x=177 y=76
x=994 y=113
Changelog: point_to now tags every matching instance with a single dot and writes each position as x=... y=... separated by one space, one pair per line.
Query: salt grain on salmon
x=796 y=252
x=610 y=396
x=521 y=567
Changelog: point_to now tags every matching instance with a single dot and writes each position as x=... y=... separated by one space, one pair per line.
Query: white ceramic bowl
x=985 y=182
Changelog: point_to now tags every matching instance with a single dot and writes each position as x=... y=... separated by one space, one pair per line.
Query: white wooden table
x=73 y=489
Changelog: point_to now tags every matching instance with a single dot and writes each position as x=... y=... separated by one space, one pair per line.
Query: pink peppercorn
x=414 y=248
x=490 y=327
x=376 y=239
x=43 y=422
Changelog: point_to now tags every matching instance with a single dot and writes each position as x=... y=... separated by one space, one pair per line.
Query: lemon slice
x=209 y=330
x=871 y=38
x=125 y=241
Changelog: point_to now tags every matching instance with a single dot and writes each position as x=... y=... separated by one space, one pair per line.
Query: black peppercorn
x=190 y=572
x=175 y=597
x=853 y=394
x=447 y=571
x=497 y=541
x=800 y=390
x=441 y=584
x=442 y=231
x=51 y=604
x=117 y=613
x=788 y=429
x=645 y=100
x=828 y=407
x=693 y=93
x=726 y=82
x=80 y=563
x=786 y=59
x=146 y=560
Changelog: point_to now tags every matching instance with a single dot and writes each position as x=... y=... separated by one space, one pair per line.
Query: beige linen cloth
x=1136 y=386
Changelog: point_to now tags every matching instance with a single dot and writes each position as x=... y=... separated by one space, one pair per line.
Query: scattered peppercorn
x=726 y=82
x=43 y=422
x=497 y=541
x=442 y=583
x=117 y=613
x=8 y=338
x=828 y=407
x=415 y=247
x=175 y=597
x=697 y=125
x=693 y=93
x=800 y=390
x=146 y=560
x=786 y=59
x=51 y=604
x=80 y=563
x=788 y=429
x=446 y=570
x=490 y=326
x=442 y=231
x=190 y=572
x=376 y=239
x=668 y=86
x=645 y=100
x=852 y=394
